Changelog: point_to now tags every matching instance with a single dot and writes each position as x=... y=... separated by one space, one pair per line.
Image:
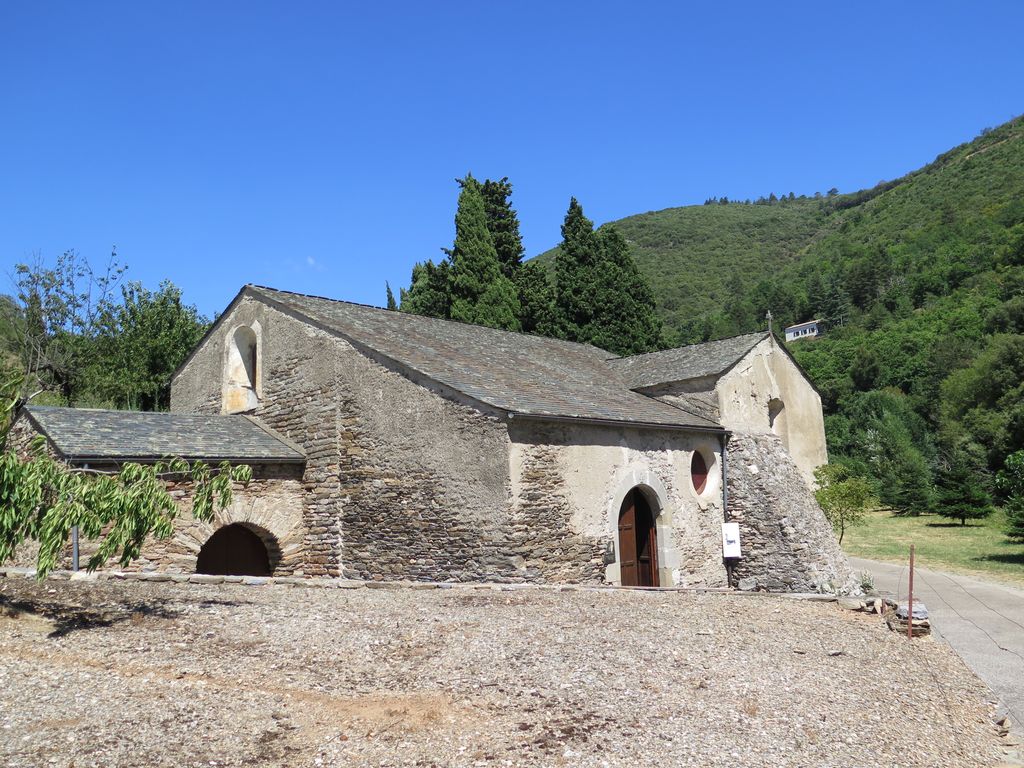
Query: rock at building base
x=748 y=584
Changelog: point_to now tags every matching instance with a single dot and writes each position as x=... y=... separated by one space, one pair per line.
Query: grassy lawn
x=979 y=548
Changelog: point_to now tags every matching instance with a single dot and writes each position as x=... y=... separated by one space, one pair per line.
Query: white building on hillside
x=807 y=330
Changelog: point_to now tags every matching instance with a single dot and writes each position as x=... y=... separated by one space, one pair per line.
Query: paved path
x=982 y=621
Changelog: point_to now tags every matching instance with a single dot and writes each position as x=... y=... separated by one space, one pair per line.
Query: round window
x=698 y=472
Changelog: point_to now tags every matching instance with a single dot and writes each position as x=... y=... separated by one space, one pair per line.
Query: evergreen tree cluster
x=772 y=199
x=598 y=295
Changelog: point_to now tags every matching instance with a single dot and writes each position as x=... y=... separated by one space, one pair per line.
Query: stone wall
x=569 y=481
x=400 y=482
x=788 y=545
x=270 y=505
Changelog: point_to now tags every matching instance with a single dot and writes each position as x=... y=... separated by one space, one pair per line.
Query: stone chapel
x=391 y=446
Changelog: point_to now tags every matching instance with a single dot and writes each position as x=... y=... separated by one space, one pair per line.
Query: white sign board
x=731 y=540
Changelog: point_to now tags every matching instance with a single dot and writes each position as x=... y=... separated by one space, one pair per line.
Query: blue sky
x=314 y=146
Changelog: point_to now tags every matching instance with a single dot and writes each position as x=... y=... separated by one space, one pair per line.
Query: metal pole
x=74 y=540
x=910 y=598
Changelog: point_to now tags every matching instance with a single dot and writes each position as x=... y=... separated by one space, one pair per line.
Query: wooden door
x=628 y=576
x=638 y=543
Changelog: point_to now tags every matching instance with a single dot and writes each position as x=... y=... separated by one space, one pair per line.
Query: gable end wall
x=400 y=483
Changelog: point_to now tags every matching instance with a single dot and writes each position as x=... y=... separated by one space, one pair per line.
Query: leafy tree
x=480 y=292
x=845 y=498
x=392 y=305
x=1010 y=484
x=62 y=309
x=962 y=496
x=42 y=499
x=985 y=400
x=139 y=344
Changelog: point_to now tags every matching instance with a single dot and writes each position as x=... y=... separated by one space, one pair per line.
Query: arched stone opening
x=638 y=542
x=777 y=420
x=239 y=549
x=242 y=373
x=640 y=479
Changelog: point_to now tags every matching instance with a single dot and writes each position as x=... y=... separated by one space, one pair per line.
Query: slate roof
x=84 y=434
x=693 y=362
x=513 y=372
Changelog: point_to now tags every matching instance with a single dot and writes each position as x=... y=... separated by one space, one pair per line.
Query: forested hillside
x=922 y=281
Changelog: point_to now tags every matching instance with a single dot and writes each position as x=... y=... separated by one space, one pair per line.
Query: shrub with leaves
x=844 y=497
x=42 y=499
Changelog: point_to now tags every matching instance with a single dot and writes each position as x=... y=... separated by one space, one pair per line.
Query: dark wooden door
x=638 y=543
x=234 y=550
x=627 y=543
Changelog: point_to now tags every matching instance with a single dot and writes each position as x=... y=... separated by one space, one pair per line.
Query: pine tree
x=961 y=494
x=392 y=305
x=480 y=292
x=1010 y=483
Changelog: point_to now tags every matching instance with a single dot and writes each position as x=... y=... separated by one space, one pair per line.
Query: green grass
x=980 y=548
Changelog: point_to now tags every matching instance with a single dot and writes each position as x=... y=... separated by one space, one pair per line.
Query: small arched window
x=242 y=370
x=777 y=420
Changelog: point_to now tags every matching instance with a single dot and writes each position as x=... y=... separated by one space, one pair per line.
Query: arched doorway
x=638 y=542
x=234 y=550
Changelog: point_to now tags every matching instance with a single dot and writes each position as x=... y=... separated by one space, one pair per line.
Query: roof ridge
x=582 y=344
x=690 y=346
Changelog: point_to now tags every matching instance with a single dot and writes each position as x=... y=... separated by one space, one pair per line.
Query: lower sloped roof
x=683 y=363
x=87 y=434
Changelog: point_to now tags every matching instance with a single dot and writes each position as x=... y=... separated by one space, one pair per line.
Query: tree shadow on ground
x=1009 y=558
x=66 y=619
x=954 y=524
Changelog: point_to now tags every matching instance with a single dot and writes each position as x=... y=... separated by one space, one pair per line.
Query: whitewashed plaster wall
x=745 y=395
x=599 y=465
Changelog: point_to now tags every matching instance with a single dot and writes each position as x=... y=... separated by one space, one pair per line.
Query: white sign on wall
x=731 y=540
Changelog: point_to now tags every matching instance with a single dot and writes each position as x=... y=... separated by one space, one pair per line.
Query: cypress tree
x=503 y=224
x=391 y=297
x=601 y=298
x=627 y=322
x=575 y=273
x=480 y=292
x=429 y=292
x=536 y=299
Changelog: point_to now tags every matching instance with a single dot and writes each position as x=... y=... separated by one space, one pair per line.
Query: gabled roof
x=516 y=373
x=86 y=434
x=696 y=361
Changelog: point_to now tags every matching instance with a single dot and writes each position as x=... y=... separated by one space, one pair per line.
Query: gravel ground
x=159 y=674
